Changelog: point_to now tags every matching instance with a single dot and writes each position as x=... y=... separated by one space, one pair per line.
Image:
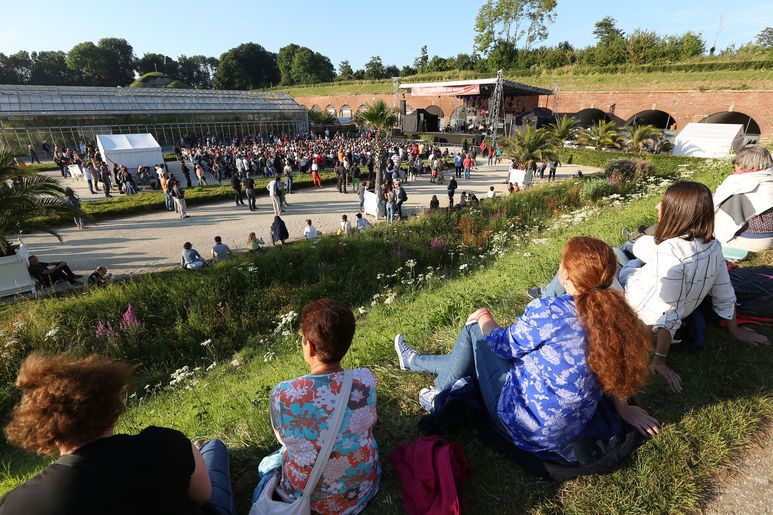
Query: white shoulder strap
x=331 y=434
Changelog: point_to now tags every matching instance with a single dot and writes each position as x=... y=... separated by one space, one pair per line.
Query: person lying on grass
x=563 y=371
x=69 y=408
x=301 y=410
x=674 y=270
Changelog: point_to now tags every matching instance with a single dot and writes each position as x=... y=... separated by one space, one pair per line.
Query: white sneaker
x=427 y=398
x=405 y=352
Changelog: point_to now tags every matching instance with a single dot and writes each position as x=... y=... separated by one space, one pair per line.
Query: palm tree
x=601 y=135
x=639 y=135
x=322 y=118
x=529 y=146
x=381 y=117
x=564 y=129
x=26 y=198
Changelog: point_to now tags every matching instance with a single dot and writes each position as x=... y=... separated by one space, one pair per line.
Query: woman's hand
x=476 y=315
x=659 y=366
x=747 y=335
x=640 y=419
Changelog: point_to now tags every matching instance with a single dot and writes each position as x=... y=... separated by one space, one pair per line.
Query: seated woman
x=545 y=378
x=675 y=270
x=69 y=409
x=190 y=257
x=253 y=242
x=743 y=203
x=302 y=409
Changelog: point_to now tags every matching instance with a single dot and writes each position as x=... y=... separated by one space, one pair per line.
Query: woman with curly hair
x=69 y=408
x=563 y=371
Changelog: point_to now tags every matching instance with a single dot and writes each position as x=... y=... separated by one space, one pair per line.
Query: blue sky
x=353 y=30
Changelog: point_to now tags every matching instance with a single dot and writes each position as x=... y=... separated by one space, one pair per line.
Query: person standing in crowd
x=236 y=187
x=249 y=189
x=315 y=173
x=220 y=251
x=88 y=174
x=273 y=194
x=186 y=173
x=69 y=408
x=467 y=165
x=355 y=171
x=528 y=178
x=104 y=173
x=309 y=232
x=340 y=177
x=128 y=180
x=458 y=165
x=451 y=191
x=361 y=188
x=165 y=187
x=178 y=195
x=288 y=171
x=400 y=197
x=74 y=202
x=555 y=163
x=33 y=155
x=279 y=231
x=362 y=222
x=390 y=197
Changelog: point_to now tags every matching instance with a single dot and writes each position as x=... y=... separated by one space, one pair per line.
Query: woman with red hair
x=547 y=379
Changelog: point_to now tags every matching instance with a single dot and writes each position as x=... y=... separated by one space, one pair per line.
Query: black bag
x=753 y=291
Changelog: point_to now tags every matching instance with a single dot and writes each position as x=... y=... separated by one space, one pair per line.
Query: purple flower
x=437 y=244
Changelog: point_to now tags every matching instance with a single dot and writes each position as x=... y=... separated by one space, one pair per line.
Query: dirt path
x=152 y=241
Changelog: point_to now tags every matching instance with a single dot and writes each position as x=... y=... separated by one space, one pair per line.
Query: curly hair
x=619 y=344
x=66 y=400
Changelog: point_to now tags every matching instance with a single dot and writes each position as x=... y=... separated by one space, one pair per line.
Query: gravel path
x=153 y=241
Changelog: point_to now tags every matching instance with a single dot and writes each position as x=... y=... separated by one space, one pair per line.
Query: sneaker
x=534 y=293
x=405 y=352
x=626 y=233
x=427 y=398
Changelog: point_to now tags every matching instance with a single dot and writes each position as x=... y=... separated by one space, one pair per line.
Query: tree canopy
x=248 y=66
x=513 y=21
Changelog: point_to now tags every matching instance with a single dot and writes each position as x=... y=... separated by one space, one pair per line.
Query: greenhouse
x=72 y=114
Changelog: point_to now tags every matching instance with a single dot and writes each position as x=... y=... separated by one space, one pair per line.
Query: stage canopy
x=130 y=150
x=708 y=140
x=462 y=88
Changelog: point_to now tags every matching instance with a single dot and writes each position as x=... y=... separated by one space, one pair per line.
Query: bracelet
x=484 y=312
x=661 y=355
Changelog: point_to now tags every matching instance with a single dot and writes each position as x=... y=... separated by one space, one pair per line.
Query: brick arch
x=346 y=111
x=656 y=117
x=315 y=107
x=751 y=126
x=362 y=108
x=331 y=109
x=589 y=116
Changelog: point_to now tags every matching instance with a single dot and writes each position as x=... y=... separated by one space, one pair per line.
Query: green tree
x=606 y=32
x=640 y=135
x=151 y=62
x=765 y=38
x=600 y=135
x=248 y=66
x=611 y=46
x=26 y=197
x=563 y=129
x=529 y=146
x=345 y=71
x=644 y=46
x=119 y=61
x=513 y=21
x=374 y=69
x=421 y=62
x=284 y=60
x=691 y=45
x=391 y=71
x=87 y=61
x=197 y=70
x=322 y=118
x=381 y=117
x=311 y=67
x=50 y=68
x=17 y=67
x=407 y=71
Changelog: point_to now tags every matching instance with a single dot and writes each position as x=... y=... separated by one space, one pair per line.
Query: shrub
x=594 y=189
x=627 y=171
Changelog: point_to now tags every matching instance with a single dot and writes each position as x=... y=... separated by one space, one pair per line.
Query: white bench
x=14 y=275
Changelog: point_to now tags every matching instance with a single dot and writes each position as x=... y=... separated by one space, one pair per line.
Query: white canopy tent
x=708 y=140
x=130 y=150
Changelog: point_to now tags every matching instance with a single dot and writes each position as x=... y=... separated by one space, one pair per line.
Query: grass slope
x=727 y=394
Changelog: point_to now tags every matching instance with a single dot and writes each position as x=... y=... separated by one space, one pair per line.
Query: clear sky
x=346 y=29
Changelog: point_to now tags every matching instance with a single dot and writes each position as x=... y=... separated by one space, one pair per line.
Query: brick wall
x=683 y=106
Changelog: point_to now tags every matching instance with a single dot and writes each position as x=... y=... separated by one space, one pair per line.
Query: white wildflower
x=206 y=342
x=53 y=332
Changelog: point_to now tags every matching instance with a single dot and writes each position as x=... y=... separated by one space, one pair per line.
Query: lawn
x=759 y=79
x=726 y=401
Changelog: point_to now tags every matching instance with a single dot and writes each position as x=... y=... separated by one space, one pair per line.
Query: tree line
x=507 y=34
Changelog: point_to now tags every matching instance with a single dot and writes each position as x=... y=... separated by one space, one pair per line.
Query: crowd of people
x=555 y=384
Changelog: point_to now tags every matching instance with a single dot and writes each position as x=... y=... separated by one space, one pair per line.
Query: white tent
x=130 y=150
x=708 y=140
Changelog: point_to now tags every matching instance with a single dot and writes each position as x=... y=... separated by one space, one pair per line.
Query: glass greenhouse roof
x=58 y=100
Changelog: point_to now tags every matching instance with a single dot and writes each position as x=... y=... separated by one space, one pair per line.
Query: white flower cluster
x=52 y=333
x=184 y=375
x=285 y=324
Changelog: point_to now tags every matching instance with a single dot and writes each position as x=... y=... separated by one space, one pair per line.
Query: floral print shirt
x=550 y=393
x=300 y=412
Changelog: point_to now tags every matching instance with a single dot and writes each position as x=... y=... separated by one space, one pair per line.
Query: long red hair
x=619 y=343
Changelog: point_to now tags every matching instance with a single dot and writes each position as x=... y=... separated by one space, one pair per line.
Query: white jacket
x=739 y=198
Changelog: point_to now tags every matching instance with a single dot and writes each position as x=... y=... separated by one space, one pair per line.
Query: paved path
x=749 y=488
x=152 y=241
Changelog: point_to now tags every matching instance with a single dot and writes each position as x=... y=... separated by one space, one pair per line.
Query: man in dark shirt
x=49 y=276
x=236 y=186
x=249 y=188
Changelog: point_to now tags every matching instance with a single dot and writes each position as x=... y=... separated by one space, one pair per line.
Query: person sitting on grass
x=310 y=232
x=69 y=408
x=254 y=243
x=191 y=259
x=279 y=231
x=302 y=410
x=100 y=277
x=562 y=373
x=49 y=274
x=220 y=251
x=667 y=276
x=362 y=223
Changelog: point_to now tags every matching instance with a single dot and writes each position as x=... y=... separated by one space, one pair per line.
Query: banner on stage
x=371 y=204
x=446 y=91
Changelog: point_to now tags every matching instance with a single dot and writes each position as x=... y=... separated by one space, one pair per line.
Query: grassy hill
x=738 y=76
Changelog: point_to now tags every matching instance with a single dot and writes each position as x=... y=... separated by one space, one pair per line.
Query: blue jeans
x=390 y=212
x=289 y=184
x=471 y=356
x=266 y=470
x=215 y=456
x=466 y=173
x=169 y=201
